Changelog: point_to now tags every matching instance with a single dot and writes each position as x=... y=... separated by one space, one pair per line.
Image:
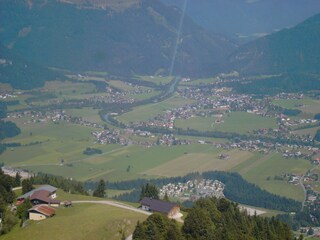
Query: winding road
x=303 y=187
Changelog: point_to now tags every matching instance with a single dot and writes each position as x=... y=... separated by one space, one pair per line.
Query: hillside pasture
x=261 y=170
x=200 y=162
x=81 y=221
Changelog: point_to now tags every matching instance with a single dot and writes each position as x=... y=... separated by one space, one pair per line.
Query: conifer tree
x=100 y=191
x=26 y=186
x=149 y=190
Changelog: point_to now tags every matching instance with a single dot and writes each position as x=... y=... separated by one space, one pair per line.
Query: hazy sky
x=248 y=17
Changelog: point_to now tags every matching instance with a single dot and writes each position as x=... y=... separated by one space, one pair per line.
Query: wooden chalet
x=171 y=210
x=41 y=212
x=41 y=195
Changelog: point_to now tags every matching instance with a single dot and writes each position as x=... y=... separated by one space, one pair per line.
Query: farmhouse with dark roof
x=42 y=195
x=171 y=210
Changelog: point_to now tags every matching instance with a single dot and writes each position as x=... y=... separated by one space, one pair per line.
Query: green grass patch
x=240 y=122
x=156 y=79
x=203 y=81
x=88 y=114
x=143 y=96
x=201 y=161
x=307 y=131
x=81 y=221
x=145 y=112
x=259 y=168
x=307 y=105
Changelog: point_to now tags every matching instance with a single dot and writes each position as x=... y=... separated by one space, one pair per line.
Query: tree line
x=7 y=129
x=213 y=219
x=7 y=197
x=66 y=184
x=236 y=189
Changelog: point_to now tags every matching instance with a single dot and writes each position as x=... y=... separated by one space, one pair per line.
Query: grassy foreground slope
x=82 y=221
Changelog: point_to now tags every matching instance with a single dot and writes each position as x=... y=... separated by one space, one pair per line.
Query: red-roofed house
x=40 y=212
x=43 y=197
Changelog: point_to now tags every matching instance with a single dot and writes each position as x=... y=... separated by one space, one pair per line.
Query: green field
x=88 y=114
x=68 y=88
x=306 y=105
x=67 y=141
x=307 y=131
x=232 y=123
x=200 y=162
x=258 y=168
x=145 y=112
x=81 y=221
x=156 y=79
x=203 y=81
x=143 y=96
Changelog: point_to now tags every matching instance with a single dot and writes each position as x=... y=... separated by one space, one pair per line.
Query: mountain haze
x=248 y=19
x=138 y=37
x=294 y=50
x=21 y=73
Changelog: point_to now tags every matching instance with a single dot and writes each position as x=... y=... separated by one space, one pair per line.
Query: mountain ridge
x=62 y=35
x=293 y=50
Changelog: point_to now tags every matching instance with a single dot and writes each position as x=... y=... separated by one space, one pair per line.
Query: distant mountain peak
x=128 y=37
x=290 y=50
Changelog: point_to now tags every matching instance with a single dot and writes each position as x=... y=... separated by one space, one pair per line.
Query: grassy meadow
x=88 y=114
x=58 y=148
x=145 y=112
x=81 y=221
x=67 y=141
x=261 y=170
x=197 y=82
x=306 y=105
x=156 y=79
x=232 y=121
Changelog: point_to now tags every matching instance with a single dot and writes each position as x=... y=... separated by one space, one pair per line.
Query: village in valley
x=193 y=190
x=206 y=117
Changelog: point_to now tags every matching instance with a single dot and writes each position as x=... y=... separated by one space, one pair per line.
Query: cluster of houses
x=51 y=116
x=7 y=95
x=296 y=122
x=287 y=96
x=109 y=137
x=43 y=200
x=193 y=189
x=14 y=171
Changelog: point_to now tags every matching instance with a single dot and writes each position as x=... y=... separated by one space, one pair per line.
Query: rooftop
x=158 y=205
x=47 y=188
x=43 y=209
x=43 y=195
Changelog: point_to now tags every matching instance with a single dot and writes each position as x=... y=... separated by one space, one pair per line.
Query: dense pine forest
x=7 y=129
x=7 y=197
x=213 y=219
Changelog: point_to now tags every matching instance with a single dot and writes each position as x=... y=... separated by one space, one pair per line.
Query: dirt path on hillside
x=123 y=206
x=115 y=204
